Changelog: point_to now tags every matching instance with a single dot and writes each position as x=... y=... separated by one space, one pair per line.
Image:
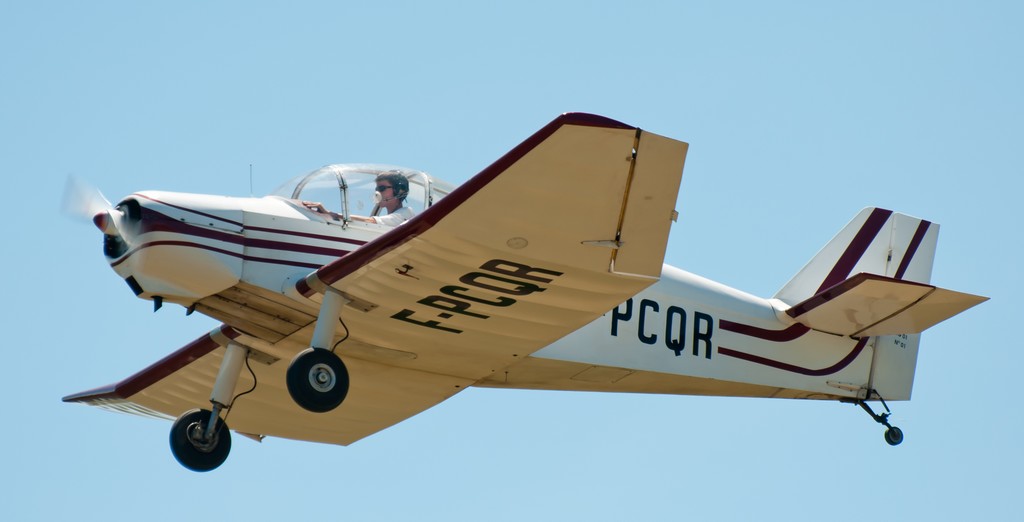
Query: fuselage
x=200 y=250
x=687 y=325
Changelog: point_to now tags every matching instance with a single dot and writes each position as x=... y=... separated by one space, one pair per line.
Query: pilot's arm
x=399 y=216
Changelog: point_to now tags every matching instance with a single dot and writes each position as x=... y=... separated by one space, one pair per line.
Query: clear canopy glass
x=347 y=189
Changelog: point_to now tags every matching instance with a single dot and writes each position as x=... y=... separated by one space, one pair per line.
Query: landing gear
x=200 y=439
x=893 y=435
x=195 y=445
x=317 y=380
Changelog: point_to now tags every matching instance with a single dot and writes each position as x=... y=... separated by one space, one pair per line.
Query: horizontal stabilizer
x=869 y=305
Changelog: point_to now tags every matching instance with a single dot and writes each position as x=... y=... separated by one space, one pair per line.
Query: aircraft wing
x=560 y=230
x=380 y=395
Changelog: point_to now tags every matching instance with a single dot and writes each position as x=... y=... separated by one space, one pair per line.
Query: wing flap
x=647 y=216
x=870 y=305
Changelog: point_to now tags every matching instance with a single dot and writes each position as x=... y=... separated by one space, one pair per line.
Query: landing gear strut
x=200 y=439
x=317 y=379
x=893 y=435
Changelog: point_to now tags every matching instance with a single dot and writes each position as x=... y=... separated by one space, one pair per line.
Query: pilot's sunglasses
x=382 y=188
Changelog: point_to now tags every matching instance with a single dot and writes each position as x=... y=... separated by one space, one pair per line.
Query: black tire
x=317 y=380
x=192 y=452
x=894 y=436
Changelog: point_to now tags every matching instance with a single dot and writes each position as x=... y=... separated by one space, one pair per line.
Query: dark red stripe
x=419 y=224
x=839 y=274
x=865 y=236
x=155 y=372
x=245 y=227
x=192 y=211
x=915 y=242
x=307 y=234
x=843 y=363
x=188 y=244
x=779 y=336
x=153 y=221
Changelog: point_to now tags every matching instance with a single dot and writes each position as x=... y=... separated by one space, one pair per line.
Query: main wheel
x=894 y=436
x=317 y=380
x=194 y=450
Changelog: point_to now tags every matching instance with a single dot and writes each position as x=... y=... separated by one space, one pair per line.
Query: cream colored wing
x=557 y=232
x=561 y=229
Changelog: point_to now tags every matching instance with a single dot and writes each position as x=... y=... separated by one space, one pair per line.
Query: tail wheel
x=196 y=449
x=894 y=436
x=317 y=380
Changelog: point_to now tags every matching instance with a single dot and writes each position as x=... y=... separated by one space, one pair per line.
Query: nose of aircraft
x=104 y=220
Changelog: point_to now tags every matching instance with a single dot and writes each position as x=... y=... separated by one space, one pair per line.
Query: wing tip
x=590 y=120
x=157 y=371
x=103 y=392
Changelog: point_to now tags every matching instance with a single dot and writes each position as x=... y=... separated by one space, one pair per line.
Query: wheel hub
x=322 y=378
x=198 y=438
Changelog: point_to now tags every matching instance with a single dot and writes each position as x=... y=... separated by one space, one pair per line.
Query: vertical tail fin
x=877 y=241
x=882 y=242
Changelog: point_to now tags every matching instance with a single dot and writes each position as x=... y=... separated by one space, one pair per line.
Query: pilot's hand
x=319 y=207
x=315 y=206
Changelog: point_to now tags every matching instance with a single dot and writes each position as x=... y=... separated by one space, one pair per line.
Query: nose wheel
x=317 y=380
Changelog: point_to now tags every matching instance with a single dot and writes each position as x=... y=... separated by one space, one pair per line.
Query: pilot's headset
x=399 y=186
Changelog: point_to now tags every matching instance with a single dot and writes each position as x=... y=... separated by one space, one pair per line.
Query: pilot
x=392 y=189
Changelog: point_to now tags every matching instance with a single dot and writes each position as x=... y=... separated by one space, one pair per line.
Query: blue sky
x=798 y=115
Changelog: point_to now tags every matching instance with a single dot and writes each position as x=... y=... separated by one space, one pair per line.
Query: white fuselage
x=691 y=326
x=182 y=248
x=186 y=247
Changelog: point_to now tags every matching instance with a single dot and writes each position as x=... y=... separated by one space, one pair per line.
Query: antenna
x=250 y=180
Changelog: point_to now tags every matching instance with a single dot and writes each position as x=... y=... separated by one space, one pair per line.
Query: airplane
x=335 y=328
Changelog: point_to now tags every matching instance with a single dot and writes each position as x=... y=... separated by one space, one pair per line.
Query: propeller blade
x=83 y=201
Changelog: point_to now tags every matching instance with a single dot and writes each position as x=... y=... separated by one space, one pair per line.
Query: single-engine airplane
x=335 y=328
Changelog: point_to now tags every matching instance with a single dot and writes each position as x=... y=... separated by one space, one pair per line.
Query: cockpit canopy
x=348 y=189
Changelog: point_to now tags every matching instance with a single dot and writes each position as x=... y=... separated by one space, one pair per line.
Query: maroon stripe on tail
x=843 y=363
x=865 y=236
x=779 y=336
x=922 y=229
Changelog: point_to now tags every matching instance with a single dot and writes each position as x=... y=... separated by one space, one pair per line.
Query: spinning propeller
x=83 y=201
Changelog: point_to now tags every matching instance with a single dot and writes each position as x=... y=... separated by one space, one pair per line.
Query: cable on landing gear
x=246 y=392
x=345 y=326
